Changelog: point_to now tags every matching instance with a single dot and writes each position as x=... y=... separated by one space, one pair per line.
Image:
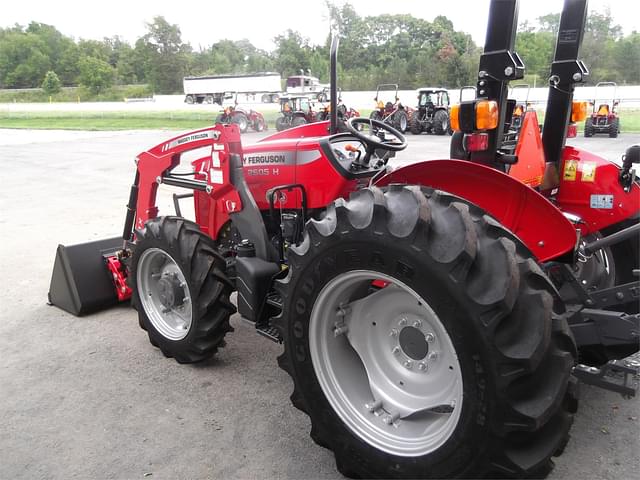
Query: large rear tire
x=588 y=127
x=401 y=121
x=614 y=128
x=281 y=124
x=180 y=289
x=440 y=122
x=241 y=120
x=422 y=341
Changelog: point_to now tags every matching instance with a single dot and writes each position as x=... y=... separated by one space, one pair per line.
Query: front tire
x=415 y=125
x=430 y=267
x=180 y=289
x=241 y=120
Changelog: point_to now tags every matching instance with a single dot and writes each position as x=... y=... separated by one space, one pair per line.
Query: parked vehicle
x=604 y=118
x=295 y=110
x=215 y=88
x=392 y=112
x=436 y=317
x=432 y=112
x=245 y=119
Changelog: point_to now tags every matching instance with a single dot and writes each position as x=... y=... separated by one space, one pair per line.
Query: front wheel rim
x=164 y=294
x=386 y=364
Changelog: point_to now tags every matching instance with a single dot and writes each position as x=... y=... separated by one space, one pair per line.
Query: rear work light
x=477 y=114
x=476 y=142
x=578 y=111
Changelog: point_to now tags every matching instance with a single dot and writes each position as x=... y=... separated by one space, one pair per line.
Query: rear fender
x=531 y=217
x=590 y=188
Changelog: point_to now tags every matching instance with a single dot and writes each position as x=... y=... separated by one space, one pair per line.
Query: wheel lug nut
x=429 y=337
x=417 y=324
x=422 y=367
x=396 y=350
x=372 y=407
x=393 y=332
x=408 y=364
x=402 y=322
x=389 y=419
x=433 y=356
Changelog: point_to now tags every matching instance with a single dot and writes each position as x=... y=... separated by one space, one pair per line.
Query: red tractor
x=296 y=110
x=604 y=118
x=432 y=113
x=243 y=118
x=431 y=316
x=391 y=113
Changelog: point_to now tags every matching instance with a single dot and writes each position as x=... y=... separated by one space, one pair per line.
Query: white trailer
x=215 y=88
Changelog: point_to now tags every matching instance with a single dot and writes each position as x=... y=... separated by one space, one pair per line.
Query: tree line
x=399 y=49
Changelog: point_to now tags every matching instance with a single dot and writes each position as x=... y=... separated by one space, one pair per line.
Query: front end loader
x=435 y=318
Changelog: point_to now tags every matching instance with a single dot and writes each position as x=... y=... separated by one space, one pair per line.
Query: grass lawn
x=174 y=120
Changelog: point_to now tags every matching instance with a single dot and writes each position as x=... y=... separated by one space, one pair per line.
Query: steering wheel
x=374 y=142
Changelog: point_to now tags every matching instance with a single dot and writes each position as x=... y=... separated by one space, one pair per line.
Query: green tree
x=51 y=83
x=95 y=74
x=165 y=56
x=292 y=53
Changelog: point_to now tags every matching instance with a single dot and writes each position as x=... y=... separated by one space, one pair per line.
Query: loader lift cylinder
x=566 y=71
x=127 y=232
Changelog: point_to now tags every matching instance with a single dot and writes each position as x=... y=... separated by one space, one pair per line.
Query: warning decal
x=570 y=170
x=588 y=170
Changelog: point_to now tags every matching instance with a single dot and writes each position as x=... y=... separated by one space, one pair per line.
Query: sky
x=203 y=23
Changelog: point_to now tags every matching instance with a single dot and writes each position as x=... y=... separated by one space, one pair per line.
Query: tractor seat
x=603 y=109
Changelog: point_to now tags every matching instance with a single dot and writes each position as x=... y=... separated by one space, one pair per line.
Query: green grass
x=75 y=94
x=174 y=120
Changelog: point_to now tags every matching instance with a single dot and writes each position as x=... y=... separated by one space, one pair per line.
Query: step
x=269 y=332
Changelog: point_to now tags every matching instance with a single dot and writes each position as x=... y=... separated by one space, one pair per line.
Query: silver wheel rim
x=386 y=364
x=164 y=294
x=403 y=123
x=242 y=123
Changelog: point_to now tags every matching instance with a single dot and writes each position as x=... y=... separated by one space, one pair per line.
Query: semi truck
x=215 y=88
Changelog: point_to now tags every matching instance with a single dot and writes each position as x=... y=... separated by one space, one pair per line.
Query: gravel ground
x=89 y=397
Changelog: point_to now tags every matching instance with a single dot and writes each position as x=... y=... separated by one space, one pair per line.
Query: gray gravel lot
x=91 y=398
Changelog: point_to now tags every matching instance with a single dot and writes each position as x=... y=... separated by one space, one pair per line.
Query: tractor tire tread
x=210 y=288
x=530 y=360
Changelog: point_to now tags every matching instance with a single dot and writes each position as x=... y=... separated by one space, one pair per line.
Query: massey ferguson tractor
x=241 y=117
x=392 y=112
x=432 y=113
x=604 y=118
x=435 y=318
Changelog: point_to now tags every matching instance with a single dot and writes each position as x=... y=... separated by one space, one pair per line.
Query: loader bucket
x=81 y=282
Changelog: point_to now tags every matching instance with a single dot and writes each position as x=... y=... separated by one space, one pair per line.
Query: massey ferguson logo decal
x=265 y=158
x=213 y=134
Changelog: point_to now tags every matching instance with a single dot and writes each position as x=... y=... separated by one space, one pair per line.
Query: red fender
x=590 y=188
x=530 y=216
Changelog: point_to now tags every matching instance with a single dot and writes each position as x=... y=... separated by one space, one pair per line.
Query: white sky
x=205 y=22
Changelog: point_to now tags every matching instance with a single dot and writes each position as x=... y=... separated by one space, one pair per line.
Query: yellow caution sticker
x=570 y=170
x=588 y=170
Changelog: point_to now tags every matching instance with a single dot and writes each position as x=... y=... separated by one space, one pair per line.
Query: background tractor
x=604 y=118
x=436 y=317
x=432 y=112
x=391 y=112
x=241 y=117
x=296 y=110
